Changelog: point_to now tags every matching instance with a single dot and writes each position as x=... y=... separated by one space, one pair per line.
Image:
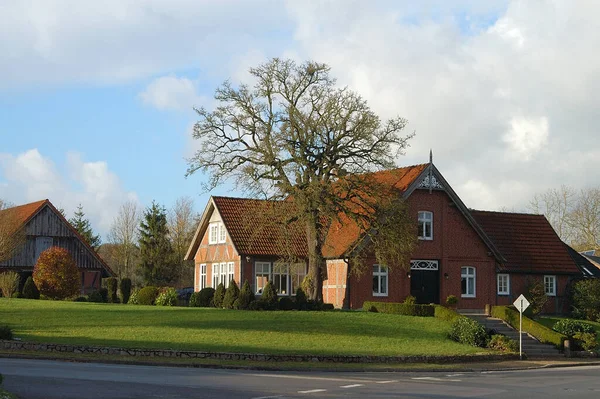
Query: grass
x=550 y=321
x=213 y=330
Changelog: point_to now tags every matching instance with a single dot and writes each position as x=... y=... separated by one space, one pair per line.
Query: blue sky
x=96 y=100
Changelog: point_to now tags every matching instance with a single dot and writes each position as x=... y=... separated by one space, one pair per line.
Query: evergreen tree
x=84 y=228
x=157 y=264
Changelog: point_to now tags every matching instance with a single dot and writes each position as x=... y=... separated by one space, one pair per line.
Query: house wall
x=518 y=286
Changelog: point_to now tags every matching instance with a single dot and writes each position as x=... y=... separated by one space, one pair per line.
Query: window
x=213 y=231
x=222 y=233
x=467 y=275
x=42 y=244
x=281 y=277
x=202 y=276
x=550 y=285
x=297 y=274
x=425 y=225
x=503 y=284
x=262 y=273
x=230 y=268
x=223 y=275
x=215 y=275
x=380 y=280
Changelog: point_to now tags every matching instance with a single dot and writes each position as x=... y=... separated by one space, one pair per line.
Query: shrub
x=410 y=300
x=444 y=313
x=80 y=299
x=16 y=295
x=451 y=300
x=133 y=299
x=503 y=343
x=56 y=274
x=147 y=295
x=9 y=283
x=300 y=299
x=286 y=303
x=570 y=327
x=6 y=332
x=269 y=296
x=535 y=292
x=586 y=298
x=202 y=298
x=125 y=288
x=30 y=291
x=218 y=296
x=257 y=305
x=110 y=284
x=326 y=307
x=231 y=294
x=586 y=340
x=97 y=296
x=167 y=297
x=540 y=332
x=468 y=331
x=400 y=308
x=307 y=284
x=246 y=296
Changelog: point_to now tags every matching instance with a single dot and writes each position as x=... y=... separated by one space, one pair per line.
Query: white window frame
x=202 y=278
x=262 y=273
x=425 y=217
x=222 y=233
x=297 y=273
x=215 y=275
x=499 y=283
x=230 y=272
x=379 y=272
x=213 y=233
x=464 y=273
x=547 y=279
x=223 y=274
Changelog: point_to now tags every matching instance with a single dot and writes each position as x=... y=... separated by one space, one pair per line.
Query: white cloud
x=30 y=176
x=172 y=93
x=527 y=136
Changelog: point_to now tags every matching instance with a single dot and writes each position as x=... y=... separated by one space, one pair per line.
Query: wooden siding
x=48 y=224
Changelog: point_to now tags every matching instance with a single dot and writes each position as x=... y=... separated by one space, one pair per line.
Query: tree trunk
x=315 y=258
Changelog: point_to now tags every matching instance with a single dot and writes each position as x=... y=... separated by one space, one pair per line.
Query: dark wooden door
x=425 y=286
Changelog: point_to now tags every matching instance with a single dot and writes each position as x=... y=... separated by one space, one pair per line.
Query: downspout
x=346 y=302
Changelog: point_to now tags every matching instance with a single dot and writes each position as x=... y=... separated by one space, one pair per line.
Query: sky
x=97 y=98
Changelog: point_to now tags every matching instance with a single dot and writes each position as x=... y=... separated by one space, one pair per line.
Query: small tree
x=156 y=253
x=301 y=300
x=535 y=292
x=125 y=288
x=586 y=298
x=231 y=294
x=246 y=296
x=9 y=283
x=30 y=291
x=269 y=296
x=217 y=301
x=111 y=286
x=84 y=228
x=56 y=274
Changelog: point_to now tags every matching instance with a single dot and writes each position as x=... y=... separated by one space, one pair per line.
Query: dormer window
x=425 y=225
x=217 y=233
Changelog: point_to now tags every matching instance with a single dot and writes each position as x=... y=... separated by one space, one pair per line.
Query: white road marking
x=434 y=379
x=310 y=377
x=352 y=386
x=313 y=391
x=386 y=382
x=268 y=397
x=454 y=375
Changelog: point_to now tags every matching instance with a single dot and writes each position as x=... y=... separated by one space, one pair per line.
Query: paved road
x=37 y=379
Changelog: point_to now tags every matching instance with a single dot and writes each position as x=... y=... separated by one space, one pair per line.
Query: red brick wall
x=215 y=253
x=518 y=284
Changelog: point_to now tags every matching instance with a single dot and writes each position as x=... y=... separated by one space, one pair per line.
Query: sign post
x=521 y=304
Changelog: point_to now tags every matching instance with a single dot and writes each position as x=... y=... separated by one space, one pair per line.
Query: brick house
x=44 y=226
x=480 y=257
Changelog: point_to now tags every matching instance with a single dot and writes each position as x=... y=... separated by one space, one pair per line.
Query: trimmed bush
x=269 y=296
x=56 y=275
x=257 y=305
x=400 y=308
x=410 y=300
x=451 y=301
x=503 y=343
x=301 y=299
x=445 y=313
x=246 y=296
x=587 y=341
x=133 y=299
x=80 y=299
x=110 y=284
x=147 y=295
x=218 y=297
x=540 y=332
x=9 y=283
x=16 y=295
x=231 y=294
x=98 y=296
x=30 y=291
x=468 y=331
x=286 y=303
x=202 y=298
x=167 y=297
x=125 y=288
x=6 y=332
x=570 y=327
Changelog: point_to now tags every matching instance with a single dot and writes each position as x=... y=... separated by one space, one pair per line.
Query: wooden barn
x=44 y=226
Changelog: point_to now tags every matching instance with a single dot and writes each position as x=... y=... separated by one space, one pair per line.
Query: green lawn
x=343 y=333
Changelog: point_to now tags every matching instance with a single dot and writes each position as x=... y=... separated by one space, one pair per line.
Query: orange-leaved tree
x=56 y=274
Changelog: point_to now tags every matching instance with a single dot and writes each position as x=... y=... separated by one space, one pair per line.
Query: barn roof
x=527 y=242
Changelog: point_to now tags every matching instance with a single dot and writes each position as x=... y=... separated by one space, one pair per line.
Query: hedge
x=399 y=308
x=444 y=313
x=540 y=332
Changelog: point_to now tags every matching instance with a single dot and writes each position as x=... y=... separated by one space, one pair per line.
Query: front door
x=425 y=281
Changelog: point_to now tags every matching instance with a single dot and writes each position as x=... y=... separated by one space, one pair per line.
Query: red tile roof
x=21 y=214
x=528 y=242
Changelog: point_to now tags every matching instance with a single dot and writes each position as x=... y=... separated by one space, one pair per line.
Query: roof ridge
x=506 y=213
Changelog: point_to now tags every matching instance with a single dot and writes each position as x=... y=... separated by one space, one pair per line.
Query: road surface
x=45 y=379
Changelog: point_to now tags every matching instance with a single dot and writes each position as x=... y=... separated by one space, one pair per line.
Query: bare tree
x=296 y=136
x=181 y=220
x=124 y=235
x=12 y=236
x=557 y=205
x=585 y=219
